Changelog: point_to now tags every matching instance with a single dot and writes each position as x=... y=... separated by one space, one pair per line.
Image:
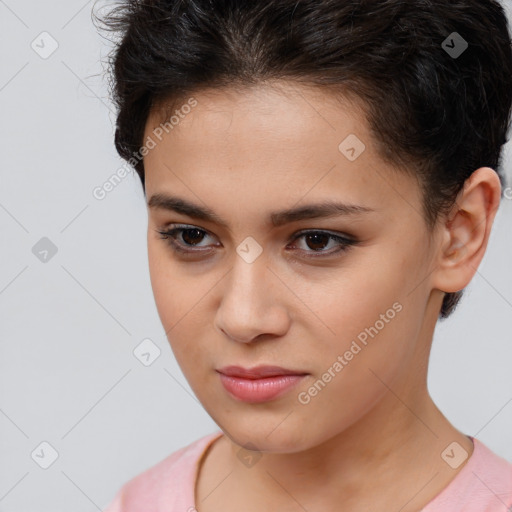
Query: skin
x=372 y=437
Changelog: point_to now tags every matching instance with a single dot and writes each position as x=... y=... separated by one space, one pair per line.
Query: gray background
x=69 y=325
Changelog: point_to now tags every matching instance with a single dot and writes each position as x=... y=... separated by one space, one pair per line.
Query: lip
x=259 y=384
x=258 y=372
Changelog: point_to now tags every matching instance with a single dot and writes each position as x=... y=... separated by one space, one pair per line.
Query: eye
x=316 y=240
x=189 y=234
x=191 y=237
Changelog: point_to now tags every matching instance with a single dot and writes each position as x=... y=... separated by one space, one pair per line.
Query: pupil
x=187 y=231
x=315 y=238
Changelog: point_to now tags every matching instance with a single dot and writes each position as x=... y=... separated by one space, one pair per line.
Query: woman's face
x=355 y=318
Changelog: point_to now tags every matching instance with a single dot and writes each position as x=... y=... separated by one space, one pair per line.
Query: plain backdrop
x=76 y=300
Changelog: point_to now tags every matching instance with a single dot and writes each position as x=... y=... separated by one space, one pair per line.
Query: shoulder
x=168 y=485
x=484 y=484
x=492 y=476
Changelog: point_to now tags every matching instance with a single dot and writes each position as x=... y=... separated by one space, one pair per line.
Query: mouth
x=259 y=384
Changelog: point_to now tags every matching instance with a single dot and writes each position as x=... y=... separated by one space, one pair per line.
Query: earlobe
x=466 y=231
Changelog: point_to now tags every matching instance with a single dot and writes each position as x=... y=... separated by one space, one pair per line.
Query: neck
x=393 y=447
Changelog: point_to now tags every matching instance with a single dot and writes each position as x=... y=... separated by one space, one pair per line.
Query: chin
x=265 y=438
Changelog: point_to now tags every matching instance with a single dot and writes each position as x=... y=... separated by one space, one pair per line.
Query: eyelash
x=345 y=243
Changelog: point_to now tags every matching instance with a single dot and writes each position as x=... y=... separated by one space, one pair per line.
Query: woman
x=321 y=179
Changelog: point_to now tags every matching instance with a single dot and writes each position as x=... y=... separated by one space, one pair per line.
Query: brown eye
x=192 y=236
x=318 y=240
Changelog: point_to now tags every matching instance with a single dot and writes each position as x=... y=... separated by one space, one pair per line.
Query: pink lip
x=258 y=384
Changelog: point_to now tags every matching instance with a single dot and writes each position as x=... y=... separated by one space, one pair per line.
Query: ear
x=466 y=230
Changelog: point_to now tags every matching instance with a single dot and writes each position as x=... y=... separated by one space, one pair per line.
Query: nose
x=252 y=303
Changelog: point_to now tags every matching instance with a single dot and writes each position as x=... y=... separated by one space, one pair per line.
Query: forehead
x=263 y=97
x=281 y=108
x=261 y=144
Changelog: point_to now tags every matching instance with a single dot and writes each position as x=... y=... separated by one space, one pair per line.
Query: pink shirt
x=484 y=484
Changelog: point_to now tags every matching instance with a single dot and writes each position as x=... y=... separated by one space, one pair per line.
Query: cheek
x=164 y=289
x=175 y=290
x=180 y=299
x=353 y=299
x=372 y=345
x=370 y=320
x=373 y=336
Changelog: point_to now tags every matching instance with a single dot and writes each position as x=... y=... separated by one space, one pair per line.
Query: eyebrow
x=277 y=218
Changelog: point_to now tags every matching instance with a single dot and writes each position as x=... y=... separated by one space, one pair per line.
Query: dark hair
x=434 y=113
